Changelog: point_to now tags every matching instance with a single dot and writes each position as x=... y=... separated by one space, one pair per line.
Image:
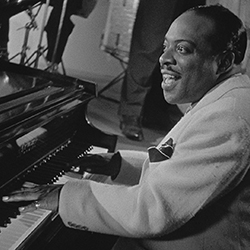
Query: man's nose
x=167 y=57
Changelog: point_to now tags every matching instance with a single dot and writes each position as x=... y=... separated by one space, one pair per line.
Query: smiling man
x=191 y=192
x=188 y=67
x=190 y=64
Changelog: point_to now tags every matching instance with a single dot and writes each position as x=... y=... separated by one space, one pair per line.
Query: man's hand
x=45 y=196
x=103 y=164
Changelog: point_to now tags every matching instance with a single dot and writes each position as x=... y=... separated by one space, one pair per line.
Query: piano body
x=43 y=125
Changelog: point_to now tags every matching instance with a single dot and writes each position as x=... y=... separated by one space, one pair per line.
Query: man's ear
x=225 y=62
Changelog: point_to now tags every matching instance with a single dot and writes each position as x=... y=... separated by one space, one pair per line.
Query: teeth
x=169 y=77
x=169 y=81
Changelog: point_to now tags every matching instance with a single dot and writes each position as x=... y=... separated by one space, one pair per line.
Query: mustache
x=168 y=68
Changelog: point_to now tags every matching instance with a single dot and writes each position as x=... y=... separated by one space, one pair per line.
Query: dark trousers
x=4 y=38
x=67 y=27
x=4 y=32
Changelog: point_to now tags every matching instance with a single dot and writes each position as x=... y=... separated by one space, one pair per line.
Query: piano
x=43 y=127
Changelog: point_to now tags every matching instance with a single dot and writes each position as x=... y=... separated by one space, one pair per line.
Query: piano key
x=15 y=233
x=97 y=150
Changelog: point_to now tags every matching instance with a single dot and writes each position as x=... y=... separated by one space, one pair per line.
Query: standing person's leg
x=53 y=25
x=4 y=38
x=149 y=29
x=152 y=22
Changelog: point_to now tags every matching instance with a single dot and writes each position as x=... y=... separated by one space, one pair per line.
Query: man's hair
x=229 y=34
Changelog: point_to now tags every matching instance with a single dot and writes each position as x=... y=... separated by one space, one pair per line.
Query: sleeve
x=130 y=171
x=131 y=167
x=205 y=164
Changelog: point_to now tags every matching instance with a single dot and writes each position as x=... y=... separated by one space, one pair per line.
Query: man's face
x=187 y=65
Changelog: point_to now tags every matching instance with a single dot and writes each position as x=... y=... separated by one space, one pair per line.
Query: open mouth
x=169 y=81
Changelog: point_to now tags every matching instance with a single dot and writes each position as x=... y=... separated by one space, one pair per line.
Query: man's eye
x=165 y=46
x=182 y=49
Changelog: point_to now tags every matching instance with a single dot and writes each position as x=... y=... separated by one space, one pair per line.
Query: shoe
x=53 y=67
x=131 y=127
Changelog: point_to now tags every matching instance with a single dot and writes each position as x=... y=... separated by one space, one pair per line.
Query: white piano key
x=20 y=228
x=98 y=150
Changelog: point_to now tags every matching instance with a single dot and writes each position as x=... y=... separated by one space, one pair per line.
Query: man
x=193 y=190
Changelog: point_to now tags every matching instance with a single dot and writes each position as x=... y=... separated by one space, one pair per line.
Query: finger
x=31 y=207
x=48 y=193
x=26 y=194
x=20 y=196
x=28 y=184
x=24 y=189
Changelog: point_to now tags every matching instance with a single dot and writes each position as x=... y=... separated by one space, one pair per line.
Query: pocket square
x=161 y=153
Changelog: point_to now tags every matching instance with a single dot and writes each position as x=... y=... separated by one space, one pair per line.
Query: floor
x=103 y=114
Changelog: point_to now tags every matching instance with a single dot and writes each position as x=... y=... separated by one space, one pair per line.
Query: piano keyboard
x=14 y=234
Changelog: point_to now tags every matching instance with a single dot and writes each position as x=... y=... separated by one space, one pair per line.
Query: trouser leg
x=4 y=38
x=53 y=26
x=152 y=20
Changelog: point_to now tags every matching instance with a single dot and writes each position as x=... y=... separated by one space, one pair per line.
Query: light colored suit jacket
x=199 y=198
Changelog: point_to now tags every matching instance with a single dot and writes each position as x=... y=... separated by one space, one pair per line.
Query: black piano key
x=50 y=169
x=40 y=180
x=10 y=212
x=7 y=211
x=3 y=223
x=56 y=166
x=61 y=163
